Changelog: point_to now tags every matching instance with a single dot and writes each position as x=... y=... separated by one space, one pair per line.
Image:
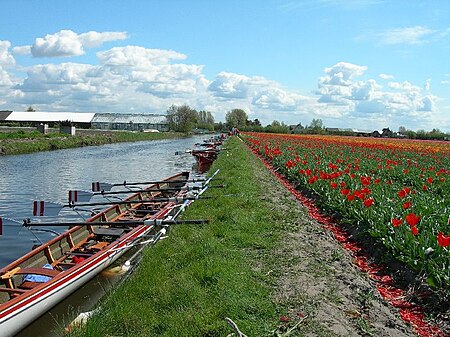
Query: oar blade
x=45 y=208
x=80 y=196
x=98 y=186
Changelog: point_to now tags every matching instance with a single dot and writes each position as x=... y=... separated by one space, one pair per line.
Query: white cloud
x=342 y=73
x=67 y=43
x=386 y=77
x=5 y=79
x=278 y=99
x=409 y=35
x=365 y=90
x=6 y=59
x=427 y=84
x=229 y=85
x=341 y=95
x=126 y=78
x=22 y=50
x=94 y=39
x=138 y=57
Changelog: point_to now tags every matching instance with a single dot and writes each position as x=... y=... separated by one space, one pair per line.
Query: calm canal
x=50 y=175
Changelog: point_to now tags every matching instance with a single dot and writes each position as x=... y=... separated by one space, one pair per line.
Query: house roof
x=81 y=117
x=42 y=116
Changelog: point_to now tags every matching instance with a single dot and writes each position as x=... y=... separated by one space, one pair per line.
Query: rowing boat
x=36 y=282
x=204 y=158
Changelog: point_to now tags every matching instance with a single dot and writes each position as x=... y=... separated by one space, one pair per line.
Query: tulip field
x=396 y=191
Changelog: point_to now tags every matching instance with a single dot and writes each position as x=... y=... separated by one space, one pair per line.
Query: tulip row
x=397 y=191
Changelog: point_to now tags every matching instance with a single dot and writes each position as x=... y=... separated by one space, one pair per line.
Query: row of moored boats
x=37 y=281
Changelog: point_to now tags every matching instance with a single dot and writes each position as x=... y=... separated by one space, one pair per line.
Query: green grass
x=187 y=284
x=28 y=142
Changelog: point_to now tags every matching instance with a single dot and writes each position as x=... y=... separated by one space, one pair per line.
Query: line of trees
x=185 y=119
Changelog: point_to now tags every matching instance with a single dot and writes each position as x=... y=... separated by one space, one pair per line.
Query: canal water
x=50 y=175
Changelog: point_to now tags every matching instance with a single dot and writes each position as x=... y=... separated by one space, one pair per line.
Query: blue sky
x=364 y=64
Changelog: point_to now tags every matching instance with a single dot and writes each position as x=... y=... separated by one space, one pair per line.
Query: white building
x=104 y=121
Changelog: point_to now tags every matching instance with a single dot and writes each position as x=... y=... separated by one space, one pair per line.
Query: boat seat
x=28 y=285
x=108 y=232
x=38 y=271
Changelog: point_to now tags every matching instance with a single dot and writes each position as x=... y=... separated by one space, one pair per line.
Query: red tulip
x=368 y=202
x=396 y=222
x=443 y=240
x=345 y=191
x=412 y=219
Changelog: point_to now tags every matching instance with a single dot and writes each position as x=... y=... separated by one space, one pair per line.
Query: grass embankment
x=27 y=142
x=187 y=284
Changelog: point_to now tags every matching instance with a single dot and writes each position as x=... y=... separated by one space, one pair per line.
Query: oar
x=98 y=186
x=118 y=224
x=85 y=196
x=206 y=184
x=45 y=208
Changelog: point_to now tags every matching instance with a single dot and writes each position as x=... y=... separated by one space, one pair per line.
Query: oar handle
x=125 y=183
x=152 y=222
x=143 y=201
x=168 y=189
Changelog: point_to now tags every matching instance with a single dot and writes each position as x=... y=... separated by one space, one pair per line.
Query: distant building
x=387 y=133
x=296 y=128
x=104 y=121
x=132 y=122
x=35 y=118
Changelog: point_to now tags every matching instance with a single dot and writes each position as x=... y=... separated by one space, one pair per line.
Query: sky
x=361 y=64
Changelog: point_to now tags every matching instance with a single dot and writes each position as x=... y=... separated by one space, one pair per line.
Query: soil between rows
x=319 y=283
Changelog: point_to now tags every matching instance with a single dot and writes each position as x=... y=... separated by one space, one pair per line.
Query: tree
x=205 y=120
x=316 y=126
x=277 y=127
x=30 y=109
x=181 y=118
x=236 y=118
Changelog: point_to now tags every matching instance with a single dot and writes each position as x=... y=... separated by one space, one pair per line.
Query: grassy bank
x=32 y=141
x=261 y=261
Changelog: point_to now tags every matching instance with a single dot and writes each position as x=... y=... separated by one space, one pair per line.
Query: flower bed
x=396 y=191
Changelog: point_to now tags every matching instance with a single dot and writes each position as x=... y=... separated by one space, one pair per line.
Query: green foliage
x=184 y=119
x=236 y=118
x=277 y=127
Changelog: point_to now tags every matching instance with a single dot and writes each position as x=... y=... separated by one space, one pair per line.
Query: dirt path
x=319 y=283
